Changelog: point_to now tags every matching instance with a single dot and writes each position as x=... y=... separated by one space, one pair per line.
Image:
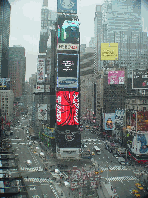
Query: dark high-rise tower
x=5 y=9
x=44 y=35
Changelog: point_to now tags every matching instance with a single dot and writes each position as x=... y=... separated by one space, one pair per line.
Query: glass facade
x=5 y=9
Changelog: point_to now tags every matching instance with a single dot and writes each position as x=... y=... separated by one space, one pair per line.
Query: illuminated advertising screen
x=142 y=121
x=67 y=6
x=116 y=77
x=109 y=121
x=72 y=140
x=67 y=70
x=109 y=51
x=67 y=108
x=140 y=79
x=41 y=70
x=5 y=83
x=68 y=32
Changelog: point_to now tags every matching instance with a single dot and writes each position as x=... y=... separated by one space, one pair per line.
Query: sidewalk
x=107 y=192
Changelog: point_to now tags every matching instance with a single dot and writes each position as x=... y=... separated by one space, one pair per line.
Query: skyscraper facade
x=120 y=22
x=5 y=9
x=17 y=70
x=47 y=19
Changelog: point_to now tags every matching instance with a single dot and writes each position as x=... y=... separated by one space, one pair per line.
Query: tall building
x=5 y=9
x=17 y=70
x=120 y=22
x=47 y=19
x=6 y=103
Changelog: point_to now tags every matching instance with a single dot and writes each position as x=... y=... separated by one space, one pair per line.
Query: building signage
x=42 y=111
x=67 y=6
x=5 y=83
x=68 y=46
x=119 y=117
x=69 y=141
x=39 y=88
x=109 y=121
x=41 y=70
x=66 y=82
x=140 y=79
x=116 y=77
x=47 y=88
x=109 y=51
x=67 y=108
x=68 y=31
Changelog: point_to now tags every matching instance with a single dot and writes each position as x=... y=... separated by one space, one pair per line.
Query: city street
x=40 y=182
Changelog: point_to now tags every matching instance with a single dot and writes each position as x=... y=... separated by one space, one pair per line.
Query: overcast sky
x=25 y=25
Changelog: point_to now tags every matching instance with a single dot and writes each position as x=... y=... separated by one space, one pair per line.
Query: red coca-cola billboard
x=67 y=108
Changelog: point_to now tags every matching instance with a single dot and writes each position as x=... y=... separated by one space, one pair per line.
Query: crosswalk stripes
x=121 y=178
x=54 y=191
x=113 y=168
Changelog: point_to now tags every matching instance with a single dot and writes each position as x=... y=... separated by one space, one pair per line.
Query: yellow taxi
x=34 y=151
x=137 y=195
x=139 y=186
x=87 y=127
x=135 y=192
x=93 y=153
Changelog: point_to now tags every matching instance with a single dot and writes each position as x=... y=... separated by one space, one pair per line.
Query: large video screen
x=67 y=73
x=140 y=79
x=68 y=30
x=72 y=140
x=67 y=108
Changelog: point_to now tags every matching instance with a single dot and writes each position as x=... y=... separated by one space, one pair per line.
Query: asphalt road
x=37 y=182
x=121 y=178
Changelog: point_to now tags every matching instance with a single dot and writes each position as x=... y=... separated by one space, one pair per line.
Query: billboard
x=142 y=121
x=67 y=70
x=140 y=79
x=116 y=77
x=42 y=111
x=47 y=88
x=119 y=118
x=68 y=46
x=72 y=140
x=140 y=144
x=41 y=70
x=109 y=121
x=67 y=108
x=68 y=32
x=39 y=88
x=67 y=6
x=109 y=51
x=5 y=83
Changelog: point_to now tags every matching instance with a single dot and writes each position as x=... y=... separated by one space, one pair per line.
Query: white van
x=97 y=150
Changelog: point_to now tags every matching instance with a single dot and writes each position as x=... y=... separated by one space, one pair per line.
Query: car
x=138 y=185
x=11 y=132
x=16 y=137
x=135 y=192
x=116 y=156
x=137 y=195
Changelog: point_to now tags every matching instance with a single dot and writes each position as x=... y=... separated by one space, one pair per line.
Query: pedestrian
x=111 y=188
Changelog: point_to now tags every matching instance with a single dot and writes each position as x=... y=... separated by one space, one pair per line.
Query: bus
x=97 y=150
